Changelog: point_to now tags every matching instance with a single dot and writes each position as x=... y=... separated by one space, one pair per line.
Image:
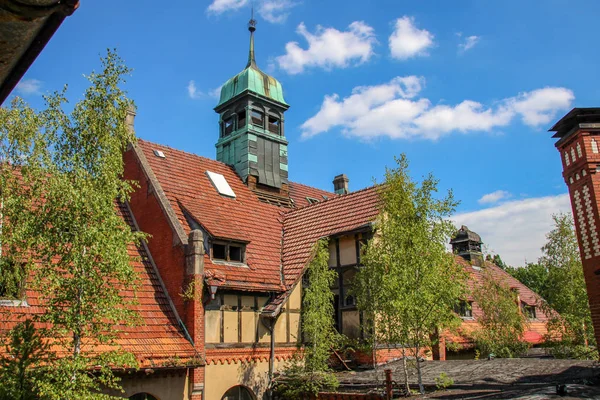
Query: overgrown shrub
x=502 y=324
x=443 y=381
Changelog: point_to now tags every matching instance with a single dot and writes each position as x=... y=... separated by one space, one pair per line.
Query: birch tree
x=62 y=236
x=566 y=294
x=410 y=283
x=312 y=374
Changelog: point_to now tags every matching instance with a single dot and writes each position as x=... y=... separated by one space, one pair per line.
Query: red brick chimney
x=578 y=135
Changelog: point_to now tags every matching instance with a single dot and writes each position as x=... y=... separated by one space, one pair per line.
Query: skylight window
x=220 y=183
x=159 y=154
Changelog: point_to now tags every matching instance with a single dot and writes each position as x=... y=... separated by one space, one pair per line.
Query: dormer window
x=228 y=251
x=528 y=310
x=274 y=125
x=464 y=309
x=258 y=118
x=312 y=200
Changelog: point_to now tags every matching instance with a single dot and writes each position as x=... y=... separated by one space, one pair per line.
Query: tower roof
x=464 y=234
x=252 y=79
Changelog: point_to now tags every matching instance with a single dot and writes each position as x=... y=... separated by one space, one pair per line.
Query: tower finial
x=251 y=28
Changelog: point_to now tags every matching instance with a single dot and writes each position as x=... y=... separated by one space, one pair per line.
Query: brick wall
x=170 y=261
x=579 y=156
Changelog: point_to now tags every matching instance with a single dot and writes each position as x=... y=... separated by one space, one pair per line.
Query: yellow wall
x=248 y=317
x=221 y=377
x=332 y=254
x=347 y=250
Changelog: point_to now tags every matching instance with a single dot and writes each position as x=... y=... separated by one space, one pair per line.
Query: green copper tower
x=251 y=134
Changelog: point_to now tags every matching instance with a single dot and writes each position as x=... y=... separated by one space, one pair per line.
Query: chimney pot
x=340 y=184
x=130 y=118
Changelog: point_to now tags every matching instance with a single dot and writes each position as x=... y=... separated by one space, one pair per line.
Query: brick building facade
x=578 y=134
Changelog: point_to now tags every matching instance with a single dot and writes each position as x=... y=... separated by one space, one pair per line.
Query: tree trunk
x=421 y=388
x=405 y=371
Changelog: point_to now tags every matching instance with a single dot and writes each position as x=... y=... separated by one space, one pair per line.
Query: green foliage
x=21 y=366
x=502 y=324
x=571 y=329
x=532 y=275
x=443 y=381
x=311 y=373
x=59 y=181
x=568 y=350
x=318 y=328
x=299 y=383
x=410 y=283
x=496 y=259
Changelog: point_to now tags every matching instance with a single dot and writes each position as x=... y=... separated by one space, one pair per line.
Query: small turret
x=467 y=244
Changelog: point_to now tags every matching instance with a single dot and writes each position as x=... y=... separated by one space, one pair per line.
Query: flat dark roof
x=575 y=117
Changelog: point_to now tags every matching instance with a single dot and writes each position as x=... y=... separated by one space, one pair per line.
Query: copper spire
x=251 y=28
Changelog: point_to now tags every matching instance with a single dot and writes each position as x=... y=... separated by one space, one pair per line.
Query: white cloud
x=193 y=91
x=516 y=229
x=220 y=6
x=469 y=43
x=393 y=109
x=29 y=86
x=408 y=41
x=274 y=11
x=537 y=107
x=494 y=197
x=328 y=48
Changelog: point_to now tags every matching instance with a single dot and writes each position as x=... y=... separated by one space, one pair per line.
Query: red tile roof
x=156 y=341
x=300 y=192
x=265 y=227
x=183 y=178
x=304 y=226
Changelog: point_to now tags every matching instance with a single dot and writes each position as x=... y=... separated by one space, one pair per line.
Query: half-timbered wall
x=235 y=318
x=344 y=257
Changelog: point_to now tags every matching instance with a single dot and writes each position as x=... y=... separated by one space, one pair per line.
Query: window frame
x=262 y=117
x=228 y=245
x=276 y=124
x=464 y=309
x=228 y=129
x=529 y=311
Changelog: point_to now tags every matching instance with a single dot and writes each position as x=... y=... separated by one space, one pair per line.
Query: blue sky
x=466 y=89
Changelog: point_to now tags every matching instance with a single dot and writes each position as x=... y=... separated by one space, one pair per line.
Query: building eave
x=40 y=23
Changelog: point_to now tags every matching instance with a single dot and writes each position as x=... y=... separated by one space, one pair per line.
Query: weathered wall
x=162 y=385
x=253 y=374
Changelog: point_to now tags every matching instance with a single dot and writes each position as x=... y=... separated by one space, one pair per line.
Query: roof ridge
x=329 y=200
x=312 y=187
x=184 y=152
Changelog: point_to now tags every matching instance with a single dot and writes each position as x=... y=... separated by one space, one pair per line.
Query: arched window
x=142 y=396
x=238 y=393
